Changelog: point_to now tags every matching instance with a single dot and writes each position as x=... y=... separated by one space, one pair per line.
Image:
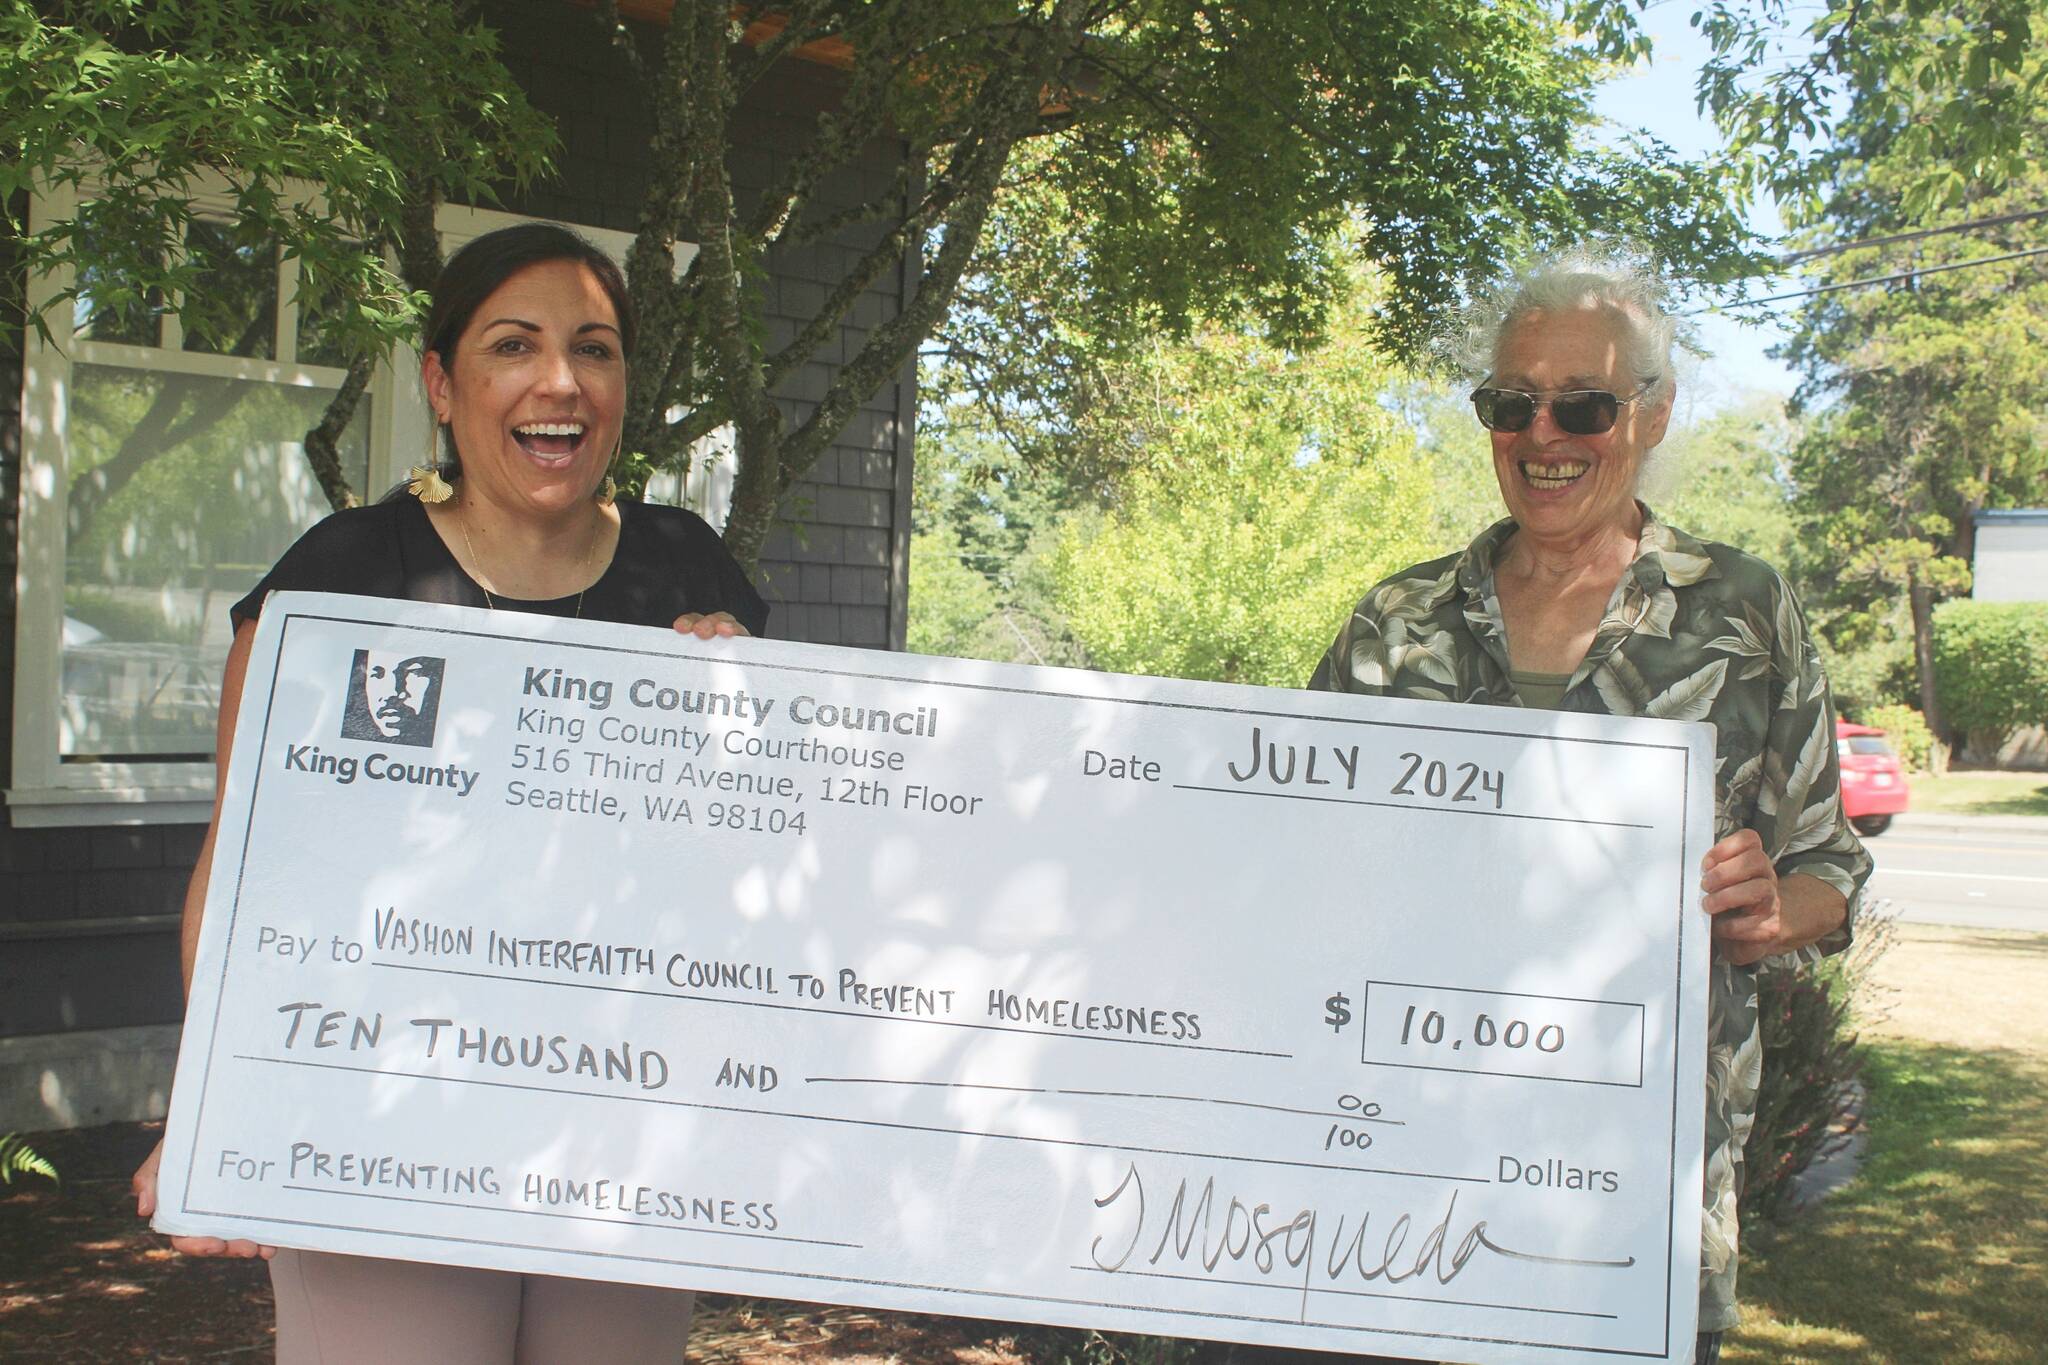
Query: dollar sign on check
x=1337 y=1011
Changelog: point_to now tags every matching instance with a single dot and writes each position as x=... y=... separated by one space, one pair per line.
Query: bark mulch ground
x=83 y=1280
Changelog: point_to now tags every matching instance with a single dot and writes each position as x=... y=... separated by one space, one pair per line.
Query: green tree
x=1935 y=416
x=991 y=516
x=382 y=106
x=1956 y=85
x=1276 y=489
x=1991 y=659
x=949 y=602
x=1928 y=396
x=1090 y=173
x=1728 y=477
x=1464 y=496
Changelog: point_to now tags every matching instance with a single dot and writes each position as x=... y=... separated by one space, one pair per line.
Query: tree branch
x=872 y=210
x=885 y=255
x=798 y=21
x=1007 y=106
x=839 y=135
x=416 y=241
x=696 y=424
x=621 y=39
x=322 y=443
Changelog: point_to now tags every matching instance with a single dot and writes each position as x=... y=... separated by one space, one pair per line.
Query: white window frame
x=45 y=791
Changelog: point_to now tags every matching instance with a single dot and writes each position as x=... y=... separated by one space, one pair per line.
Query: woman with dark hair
x=524 y=363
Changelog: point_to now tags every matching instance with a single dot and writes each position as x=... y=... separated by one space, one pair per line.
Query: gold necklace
x=589 y=558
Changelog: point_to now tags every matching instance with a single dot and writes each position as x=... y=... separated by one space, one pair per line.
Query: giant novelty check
x=1029 y=994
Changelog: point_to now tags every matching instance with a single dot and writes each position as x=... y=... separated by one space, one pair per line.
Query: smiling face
x=400 y=693
x=534 y=390
x=393 y=698
x=1559 y=487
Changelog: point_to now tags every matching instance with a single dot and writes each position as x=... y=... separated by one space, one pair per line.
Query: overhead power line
x=1793 y=258
x=1875 y=280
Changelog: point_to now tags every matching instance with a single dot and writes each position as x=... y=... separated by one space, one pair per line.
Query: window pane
x=182 y=491
x=708 y=491
x=232 y=308
x=107 y=306
x=317 y=316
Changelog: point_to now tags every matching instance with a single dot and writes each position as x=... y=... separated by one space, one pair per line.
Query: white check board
x=1021 y=993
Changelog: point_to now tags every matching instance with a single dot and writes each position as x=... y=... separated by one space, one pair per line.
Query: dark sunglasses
x=1582 y=412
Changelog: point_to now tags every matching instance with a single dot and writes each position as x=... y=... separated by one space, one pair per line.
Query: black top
x=668 y=561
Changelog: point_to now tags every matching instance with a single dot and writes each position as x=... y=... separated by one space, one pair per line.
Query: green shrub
x=1809 y=1092
x=1877 y=673
x=1991 y=665
x=1907 y=729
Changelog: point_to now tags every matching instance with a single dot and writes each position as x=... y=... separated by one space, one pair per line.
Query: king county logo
x=393 y=698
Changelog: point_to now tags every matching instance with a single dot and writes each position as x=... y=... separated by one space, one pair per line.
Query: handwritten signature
x=1193 y=1229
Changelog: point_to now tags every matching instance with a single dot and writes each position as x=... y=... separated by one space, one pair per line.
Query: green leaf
x=1691 y=697
x=17 y=1158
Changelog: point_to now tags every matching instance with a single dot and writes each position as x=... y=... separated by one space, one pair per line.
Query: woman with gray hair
x=1581 y=600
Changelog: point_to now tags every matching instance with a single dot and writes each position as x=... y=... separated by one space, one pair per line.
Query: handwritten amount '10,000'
x=1516 y=1033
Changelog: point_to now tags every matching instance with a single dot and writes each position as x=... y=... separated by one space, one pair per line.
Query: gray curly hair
x=1581 y=277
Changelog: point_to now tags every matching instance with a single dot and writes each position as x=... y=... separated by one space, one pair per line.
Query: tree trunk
x=418 y=241
x=730 y=312
x=1921 y=598
x=322 y=443
x=417 y=244
x=755 y=495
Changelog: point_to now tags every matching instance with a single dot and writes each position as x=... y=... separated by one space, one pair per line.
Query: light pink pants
x=338 y=1310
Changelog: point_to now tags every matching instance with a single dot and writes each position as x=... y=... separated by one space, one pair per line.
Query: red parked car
x=1873 y=783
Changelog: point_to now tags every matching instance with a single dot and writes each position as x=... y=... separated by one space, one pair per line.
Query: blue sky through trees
x=1660 y=97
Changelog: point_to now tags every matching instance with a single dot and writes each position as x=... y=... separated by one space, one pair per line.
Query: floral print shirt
x=1695 y=631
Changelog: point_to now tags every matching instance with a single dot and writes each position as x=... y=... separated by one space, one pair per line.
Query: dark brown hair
x=474 y=273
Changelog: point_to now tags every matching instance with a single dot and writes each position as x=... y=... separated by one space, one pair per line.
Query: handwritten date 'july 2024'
x=1290 y=764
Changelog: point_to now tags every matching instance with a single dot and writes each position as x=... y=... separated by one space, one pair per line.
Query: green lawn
x=1981 y=793
x=1938 y=1251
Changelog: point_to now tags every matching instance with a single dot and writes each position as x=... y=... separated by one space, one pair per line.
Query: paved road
x=1979 y=875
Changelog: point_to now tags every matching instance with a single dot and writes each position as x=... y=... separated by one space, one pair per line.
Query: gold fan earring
x=426 y=482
